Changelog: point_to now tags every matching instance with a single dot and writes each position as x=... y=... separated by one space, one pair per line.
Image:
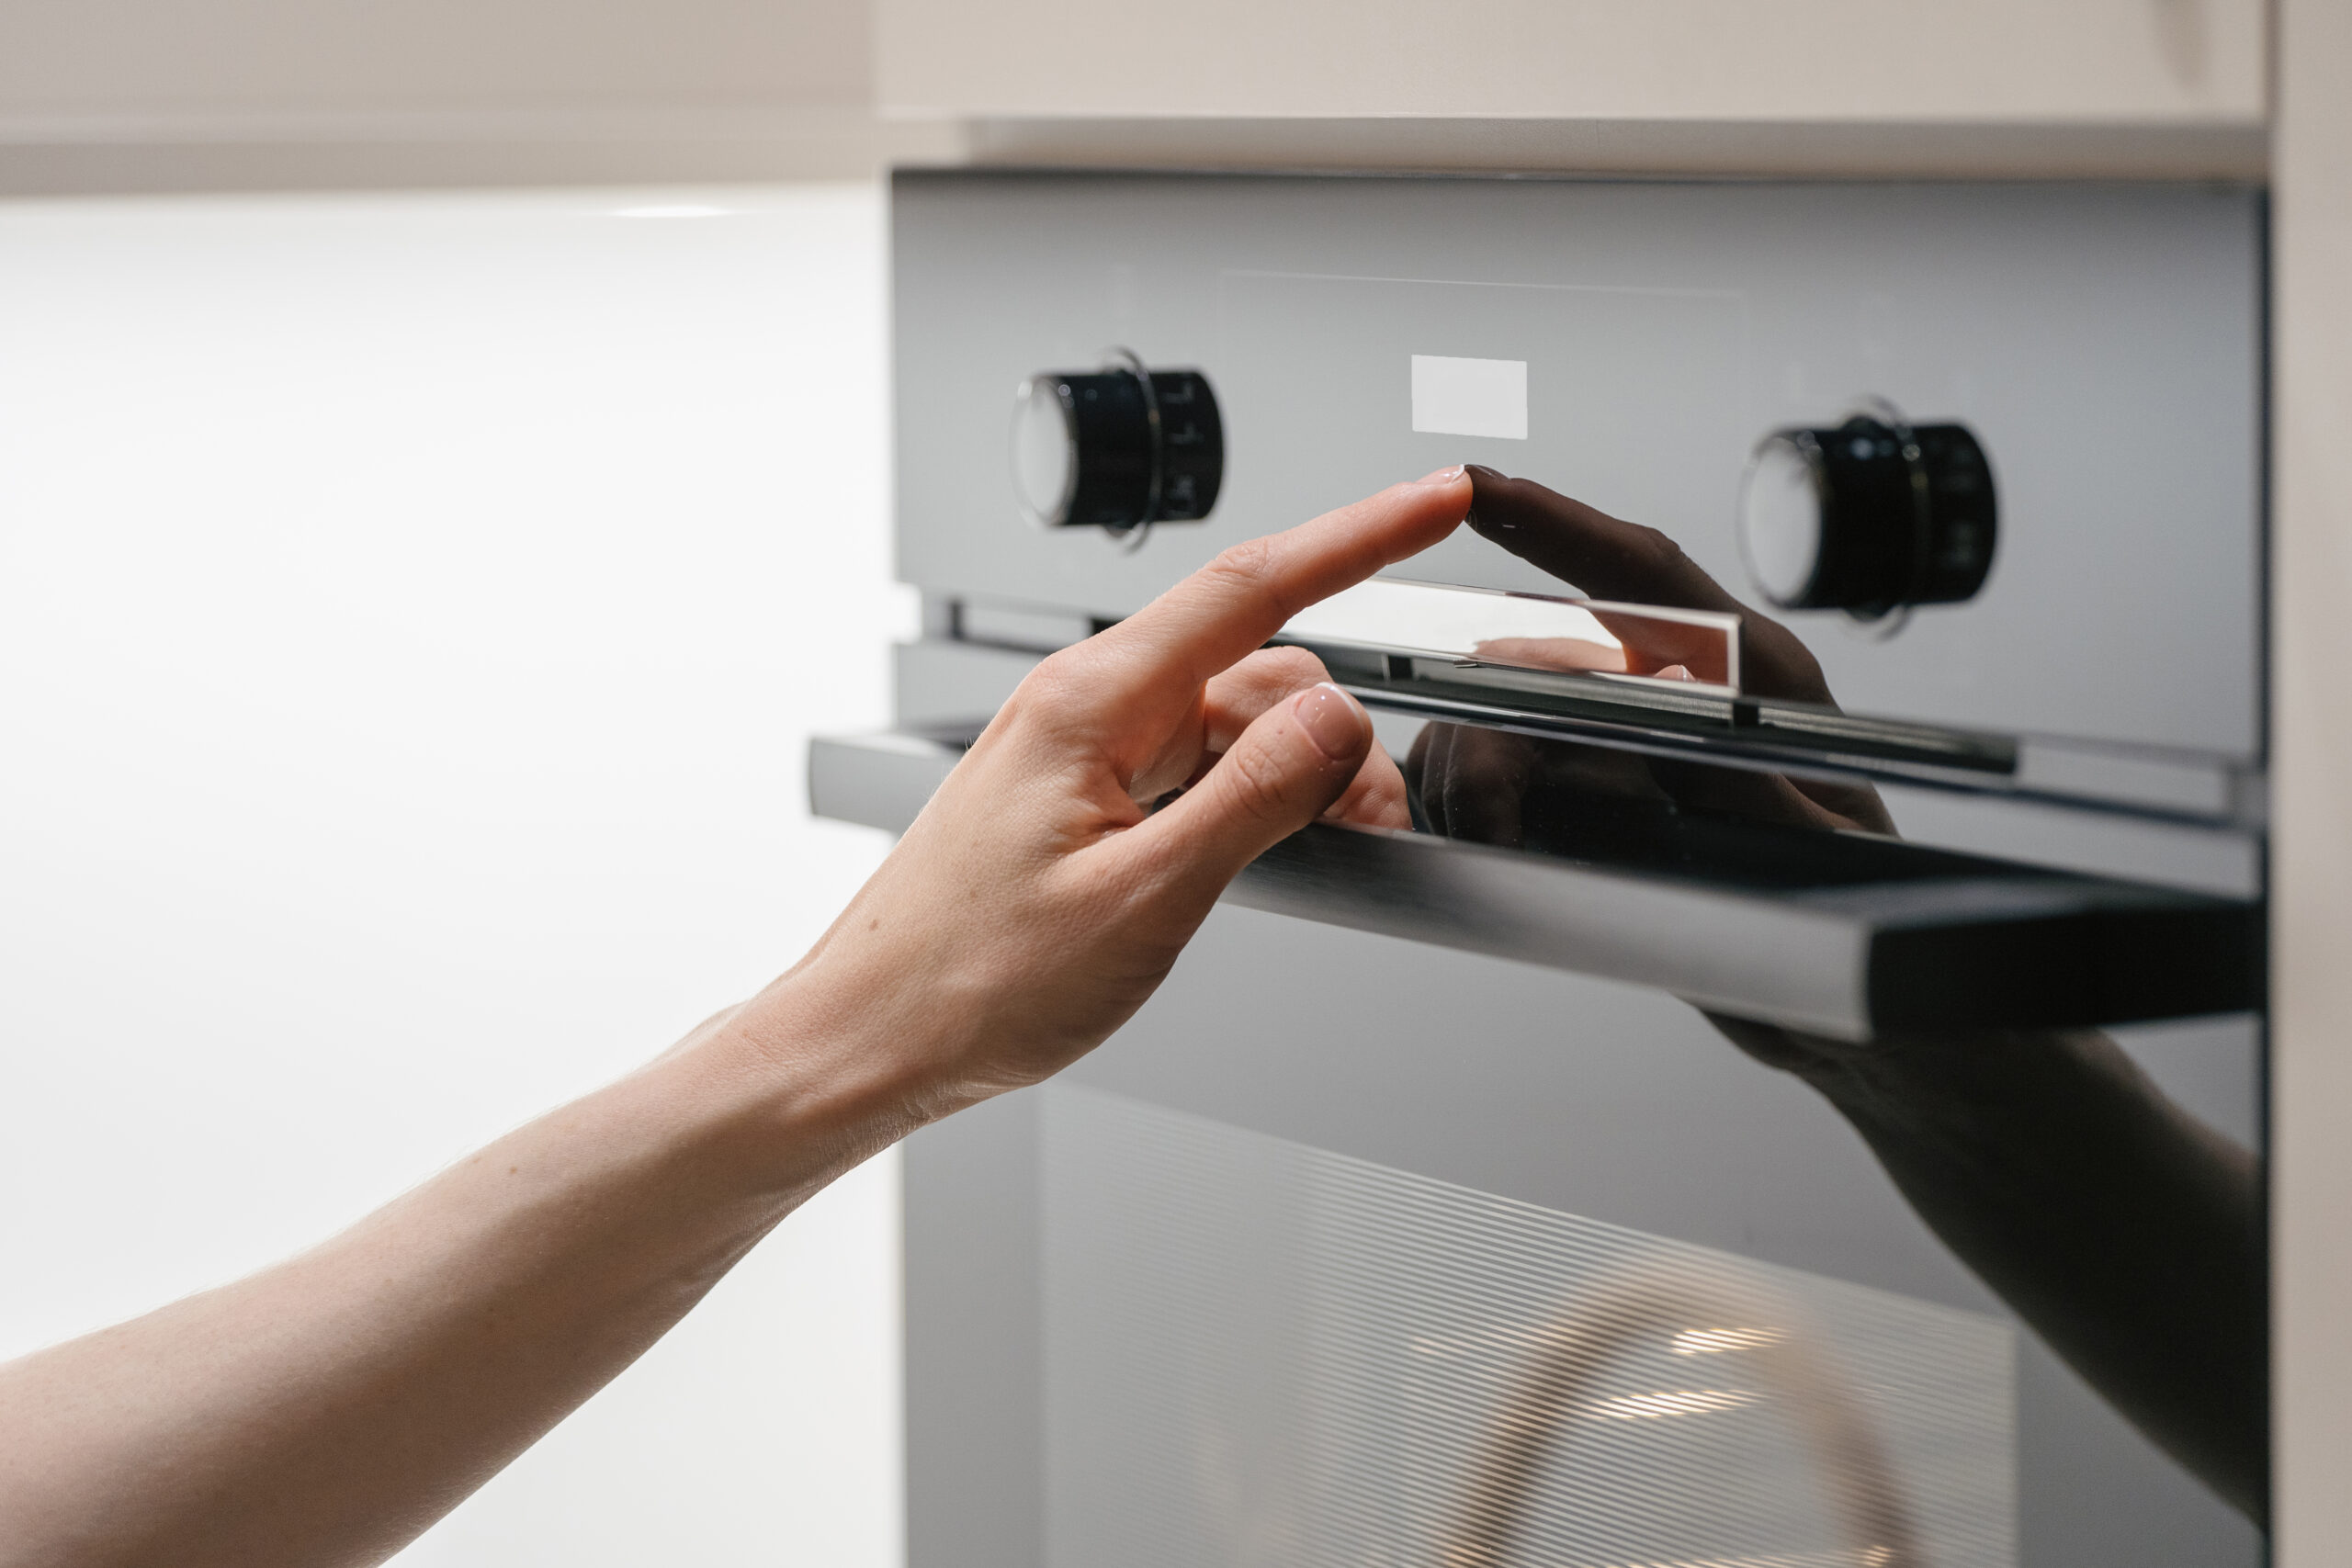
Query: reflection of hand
x=1611 y=559
x=1576 y=655
x=1489 y=785
x=2126 y=1231
x=1485 y=787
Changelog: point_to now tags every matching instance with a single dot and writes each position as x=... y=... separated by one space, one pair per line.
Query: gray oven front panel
x=1353 y=1364
x=1117 y=1341
x=2104 y=342
x=1136 y=1331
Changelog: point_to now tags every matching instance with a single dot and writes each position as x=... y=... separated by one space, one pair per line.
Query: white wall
x=411 y=613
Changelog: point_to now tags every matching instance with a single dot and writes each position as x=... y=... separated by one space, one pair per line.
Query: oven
x=1792 y=1098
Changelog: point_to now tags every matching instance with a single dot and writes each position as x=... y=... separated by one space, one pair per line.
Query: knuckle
x=1049 y=688
x=1295 y=667
x=1658 y=550
x=1248 y=559
x=1248 y=569
x=1255 y=784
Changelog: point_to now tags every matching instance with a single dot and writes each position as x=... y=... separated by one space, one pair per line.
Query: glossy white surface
x=412 y=611
x=1452 y=396
x=1455 y=623
x=1779 y=521
x=1044 y=453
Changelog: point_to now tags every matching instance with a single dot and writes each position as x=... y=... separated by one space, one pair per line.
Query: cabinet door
x=2056 y=63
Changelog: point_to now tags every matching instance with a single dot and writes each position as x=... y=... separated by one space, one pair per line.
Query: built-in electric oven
x=1792 y=1097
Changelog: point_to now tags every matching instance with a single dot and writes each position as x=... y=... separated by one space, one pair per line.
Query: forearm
x=323 y=1412
x=328 y=1409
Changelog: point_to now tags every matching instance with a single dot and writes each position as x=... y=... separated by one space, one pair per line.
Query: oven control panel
x=1992 y=453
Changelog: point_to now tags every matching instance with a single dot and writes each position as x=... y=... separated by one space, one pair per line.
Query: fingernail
x=1443 y=477
x=1331 y=720
x=1479 y=471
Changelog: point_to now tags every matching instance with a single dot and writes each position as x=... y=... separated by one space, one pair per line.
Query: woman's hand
x=1040 y=898
x=320 y=1413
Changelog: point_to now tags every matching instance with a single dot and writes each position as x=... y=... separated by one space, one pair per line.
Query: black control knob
x=1116 y=448
x=1869 y=517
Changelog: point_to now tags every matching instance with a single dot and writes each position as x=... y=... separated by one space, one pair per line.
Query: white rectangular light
x=1470 y=397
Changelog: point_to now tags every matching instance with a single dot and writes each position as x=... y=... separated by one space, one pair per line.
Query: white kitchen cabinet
x=2059 y=63
x=160 y=95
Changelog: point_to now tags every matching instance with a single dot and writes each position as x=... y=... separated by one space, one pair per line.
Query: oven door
x=1351 y=1249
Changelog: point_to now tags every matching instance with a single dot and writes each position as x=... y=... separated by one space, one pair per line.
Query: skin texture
x=328 y=1410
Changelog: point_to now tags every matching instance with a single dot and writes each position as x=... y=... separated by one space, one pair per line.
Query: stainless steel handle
x=1852 y=961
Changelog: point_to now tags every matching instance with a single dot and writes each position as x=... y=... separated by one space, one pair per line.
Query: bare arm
x=326 y=1411
x=329 y=1409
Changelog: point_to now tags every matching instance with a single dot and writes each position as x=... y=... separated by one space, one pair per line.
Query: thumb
x=1284 y=771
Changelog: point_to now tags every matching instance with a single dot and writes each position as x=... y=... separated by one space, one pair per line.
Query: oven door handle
x=1852 y=961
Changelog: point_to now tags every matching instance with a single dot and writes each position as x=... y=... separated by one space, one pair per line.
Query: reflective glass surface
x=2122 y=1229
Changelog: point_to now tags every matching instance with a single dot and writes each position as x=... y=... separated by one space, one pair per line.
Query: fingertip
x=1451 y=489
x=1334 y=721
x=1434 y=504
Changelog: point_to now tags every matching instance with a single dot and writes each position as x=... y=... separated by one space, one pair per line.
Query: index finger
x=1215 y=617
x=1599 y=555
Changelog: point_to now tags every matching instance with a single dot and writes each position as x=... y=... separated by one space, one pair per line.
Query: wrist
x=815 y=1082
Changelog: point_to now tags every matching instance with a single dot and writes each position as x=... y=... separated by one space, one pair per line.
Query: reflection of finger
x=1567 y=776
x=1856 y=803
x=1651 y=643
x=1736 y=792
x=1601 y=555
x=1482 y=787
x=1782 y=1048
x=1432 y=762
x=1674 y=672
x=1608 y=559
x=1425 y=770
x=1567 y=654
